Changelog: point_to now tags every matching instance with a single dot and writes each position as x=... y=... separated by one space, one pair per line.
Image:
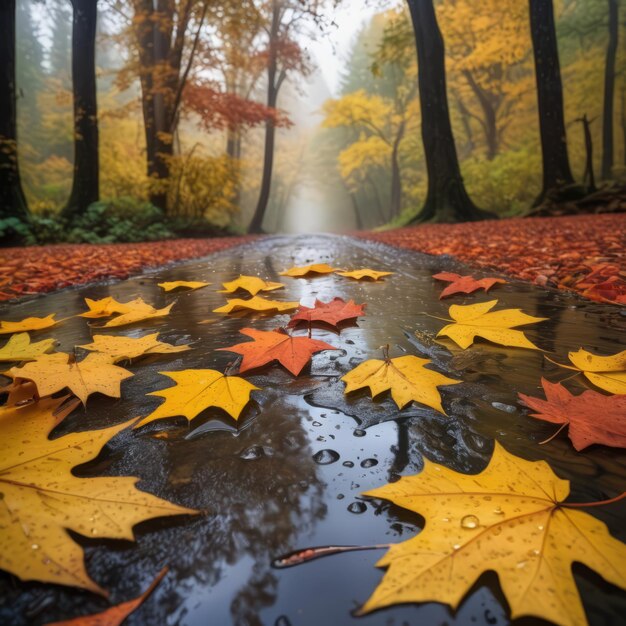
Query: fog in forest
x=348 y=152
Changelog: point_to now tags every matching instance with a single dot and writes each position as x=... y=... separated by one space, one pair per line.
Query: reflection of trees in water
x=256 y=505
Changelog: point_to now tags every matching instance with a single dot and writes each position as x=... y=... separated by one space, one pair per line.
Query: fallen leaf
x=592 y=417
x=510 y=519
x=606 y=372
x=196 y=390
x=256 y=304
x=29 y=323
x=299 y=272
x=182 y=284
x=43 y=500
x=139 y=312
x=105 y=307
x=251 y=284
x=464 y=284
x=333 y=312
x=293 y=353
x=406 y=377
x=365 y=273
x=54 y=372
x=115 y=615
x=474 y=320
x=20 y=348
x=128 y=348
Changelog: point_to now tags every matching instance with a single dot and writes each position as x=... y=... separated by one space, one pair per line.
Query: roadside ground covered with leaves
x=40 y=269
x=582 y=253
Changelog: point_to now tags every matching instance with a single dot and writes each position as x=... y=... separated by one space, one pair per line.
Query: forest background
x=343 y=160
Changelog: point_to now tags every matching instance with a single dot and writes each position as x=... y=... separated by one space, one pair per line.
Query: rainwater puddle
x=290 y=475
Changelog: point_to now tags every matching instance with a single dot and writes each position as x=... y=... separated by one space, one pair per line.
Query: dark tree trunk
x=273 y=86
x=12 y=200
x=588 y=175
x=447 y=199
x=556 y=168
x=160 y=50
x=85 y=186
x=609 y=91
x=624 y=124
x=163 y=123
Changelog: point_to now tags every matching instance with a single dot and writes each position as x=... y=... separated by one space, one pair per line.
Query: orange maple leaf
x=333 y=312
x=464 y=284
x=276 y=345
x=592 y=417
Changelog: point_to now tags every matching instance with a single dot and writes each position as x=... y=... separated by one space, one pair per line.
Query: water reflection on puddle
x=291 y=474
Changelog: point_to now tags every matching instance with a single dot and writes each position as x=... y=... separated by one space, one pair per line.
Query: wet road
x=290 y=475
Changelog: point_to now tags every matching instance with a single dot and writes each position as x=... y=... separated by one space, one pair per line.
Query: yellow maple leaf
x=251 y=284
x=182 y=284
x=20 y=348
x=105 y=307
x=318 y=268
x=28 y=323
x=257 y=303
x=139 y=312
x=42 y=499
x=475 y=320
x=196 y=390
x=606 y=372
x=127 y=348
x=510 y=518
x=365 y=273
x=54 y=372
x=405 y=376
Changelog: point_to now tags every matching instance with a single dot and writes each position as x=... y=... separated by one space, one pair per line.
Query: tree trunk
x=467 y=126
x=163 y=126
x=609 y=91
x=233 y=150
x=85 y=186
x=357 y=214
x=489 y=122
x=588 y=175
x=12 y=200
x=556 y=168
x=396 y=180
x=624 y=124
x=447 y=199
x=273 y=85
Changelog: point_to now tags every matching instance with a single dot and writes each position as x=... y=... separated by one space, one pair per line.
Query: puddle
x=290 y=476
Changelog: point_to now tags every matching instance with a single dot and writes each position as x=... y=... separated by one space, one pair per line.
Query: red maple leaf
x=464 y=284
x=592 y=417
x=276 y=345
x=333 y=312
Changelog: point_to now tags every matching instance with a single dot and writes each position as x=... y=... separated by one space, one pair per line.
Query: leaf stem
x=554 y=435
x=443 y=319
x=308 y=554
x=567 y=367
x=572 y=505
